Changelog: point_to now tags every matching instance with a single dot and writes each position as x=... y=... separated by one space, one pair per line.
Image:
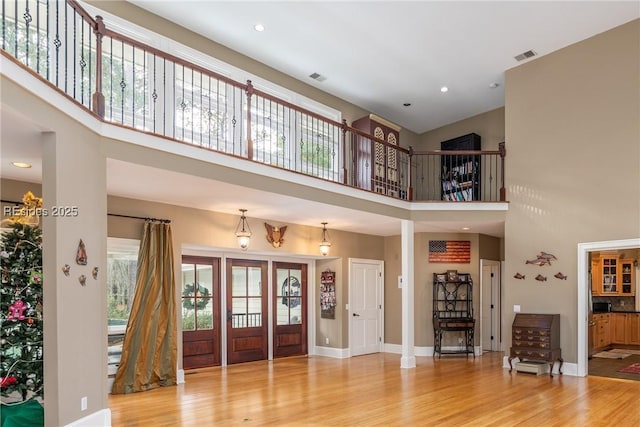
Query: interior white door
x=365 y=307
x=490 y=305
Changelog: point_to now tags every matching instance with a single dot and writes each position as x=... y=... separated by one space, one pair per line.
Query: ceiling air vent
x=317 y=76
x=525 y=55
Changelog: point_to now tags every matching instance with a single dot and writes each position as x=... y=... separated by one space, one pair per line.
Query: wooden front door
x=290 y=309
x=247 y=334
x=200 y=304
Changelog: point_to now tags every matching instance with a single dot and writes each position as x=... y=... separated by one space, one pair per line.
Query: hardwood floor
x=373 y=390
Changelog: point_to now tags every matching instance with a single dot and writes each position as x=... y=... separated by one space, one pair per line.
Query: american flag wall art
x=452 y=251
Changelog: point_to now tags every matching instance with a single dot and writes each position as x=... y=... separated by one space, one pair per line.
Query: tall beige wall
x=573 y=175
x=489 y=125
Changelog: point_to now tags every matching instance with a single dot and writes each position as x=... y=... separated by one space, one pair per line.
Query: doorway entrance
x=490 y=305
x=247 y=333
x=584 y=291
x=365 y=306
x=200 y=304
x=289 y=309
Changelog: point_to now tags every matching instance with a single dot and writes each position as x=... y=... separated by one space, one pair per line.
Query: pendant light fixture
x=243 y=231
x=325 y=244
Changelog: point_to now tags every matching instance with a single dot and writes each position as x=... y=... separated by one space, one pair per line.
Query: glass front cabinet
x=613 y=276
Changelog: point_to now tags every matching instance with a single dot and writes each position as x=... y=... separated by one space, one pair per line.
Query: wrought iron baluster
x=111 y=90
x=48 y=39
x=200 y=114
x=133 y=86
x=27 y=20
x=123 y=83
x=145 y=73
x=75 y=18
x=4 y=23
x=192 y=105
x=165 y=97
x=37 y=37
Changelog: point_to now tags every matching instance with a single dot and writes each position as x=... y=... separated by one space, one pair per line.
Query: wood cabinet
x=625 y=328
x=618 y=327
x=633 y=328
x=612 y=276
x=460 y=174
x=536 y=337
x=627 y=277
x=602 y=336
x=377 y=167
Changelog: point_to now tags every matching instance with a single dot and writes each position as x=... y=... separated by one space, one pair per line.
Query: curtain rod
x=164 y=221
x=10 y=201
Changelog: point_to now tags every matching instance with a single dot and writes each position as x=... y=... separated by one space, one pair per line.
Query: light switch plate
x=516 y=308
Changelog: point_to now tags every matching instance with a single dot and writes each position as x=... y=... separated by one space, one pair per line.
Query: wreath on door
x=195 y=290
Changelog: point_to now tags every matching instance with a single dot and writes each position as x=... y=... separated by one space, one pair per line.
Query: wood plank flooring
x=373 y=390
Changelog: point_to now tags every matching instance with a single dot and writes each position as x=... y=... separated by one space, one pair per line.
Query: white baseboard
x=569 y=369
x=338 y=353
x=180 y=377
x=101 y=418
x=425 y=351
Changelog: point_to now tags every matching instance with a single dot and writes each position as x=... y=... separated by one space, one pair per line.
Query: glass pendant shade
x=325 y=244
x=243 y=231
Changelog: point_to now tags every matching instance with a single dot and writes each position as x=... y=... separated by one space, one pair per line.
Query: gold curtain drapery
x=149 y=351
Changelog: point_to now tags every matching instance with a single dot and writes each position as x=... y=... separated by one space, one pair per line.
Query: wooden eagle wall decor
x=275 y=235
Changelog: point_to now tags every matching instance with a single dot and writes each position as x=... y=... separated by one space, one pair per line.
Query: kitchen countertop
x=617 y=311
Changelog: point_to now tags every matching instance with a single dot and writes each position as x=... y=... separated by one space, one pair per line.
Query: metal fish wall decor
x=541 y=278
x=518 y=276
x=560 y=276
x=543 y=258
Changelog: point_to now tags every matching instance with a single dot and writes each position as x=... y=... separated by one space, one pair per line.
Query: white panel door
x=365 y=307
x=490 y=305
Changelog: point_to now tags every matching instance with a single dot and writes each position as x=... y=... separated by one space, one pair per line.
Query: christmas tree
x=21 y=361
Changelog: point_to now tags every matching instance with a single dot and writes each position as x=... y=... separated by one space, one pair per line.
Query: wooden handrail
x=173 y=58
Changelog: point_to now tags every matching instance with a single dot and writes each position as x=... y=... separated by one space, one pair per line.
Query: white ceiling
x=381 y=54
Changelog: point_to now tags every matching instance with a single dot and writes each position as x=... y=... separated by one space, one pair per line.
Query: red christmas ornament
x=7 y=381
x=16 y=309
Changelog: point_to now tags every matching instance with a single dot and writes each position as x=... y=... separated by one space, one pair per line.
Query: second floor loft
x=125 y=82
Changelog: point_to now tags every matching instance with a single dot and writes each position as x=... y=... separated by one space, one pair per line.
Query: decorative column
x=408 y=359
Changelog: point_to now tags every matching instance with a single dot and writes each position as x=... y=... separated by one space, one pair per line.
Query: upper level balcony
x=133 y=85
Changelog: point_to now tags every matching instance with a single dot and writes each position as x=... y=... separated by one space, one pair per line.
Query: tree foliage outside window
x=122 y=261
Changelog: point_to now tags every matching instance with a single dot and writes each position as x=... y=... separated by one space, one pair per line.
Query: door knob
x=356 y=315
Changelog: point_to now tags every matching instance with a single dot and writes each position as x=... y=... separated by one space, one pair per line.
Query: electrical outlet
x=326 y=340
x=83 y=404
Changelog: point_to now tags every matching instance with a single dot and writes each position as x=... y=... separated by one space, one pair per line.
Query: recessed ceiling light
x=407 y=104
x=21 y=165
x=444 y=89
x=494 y=85
x=259 y=28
